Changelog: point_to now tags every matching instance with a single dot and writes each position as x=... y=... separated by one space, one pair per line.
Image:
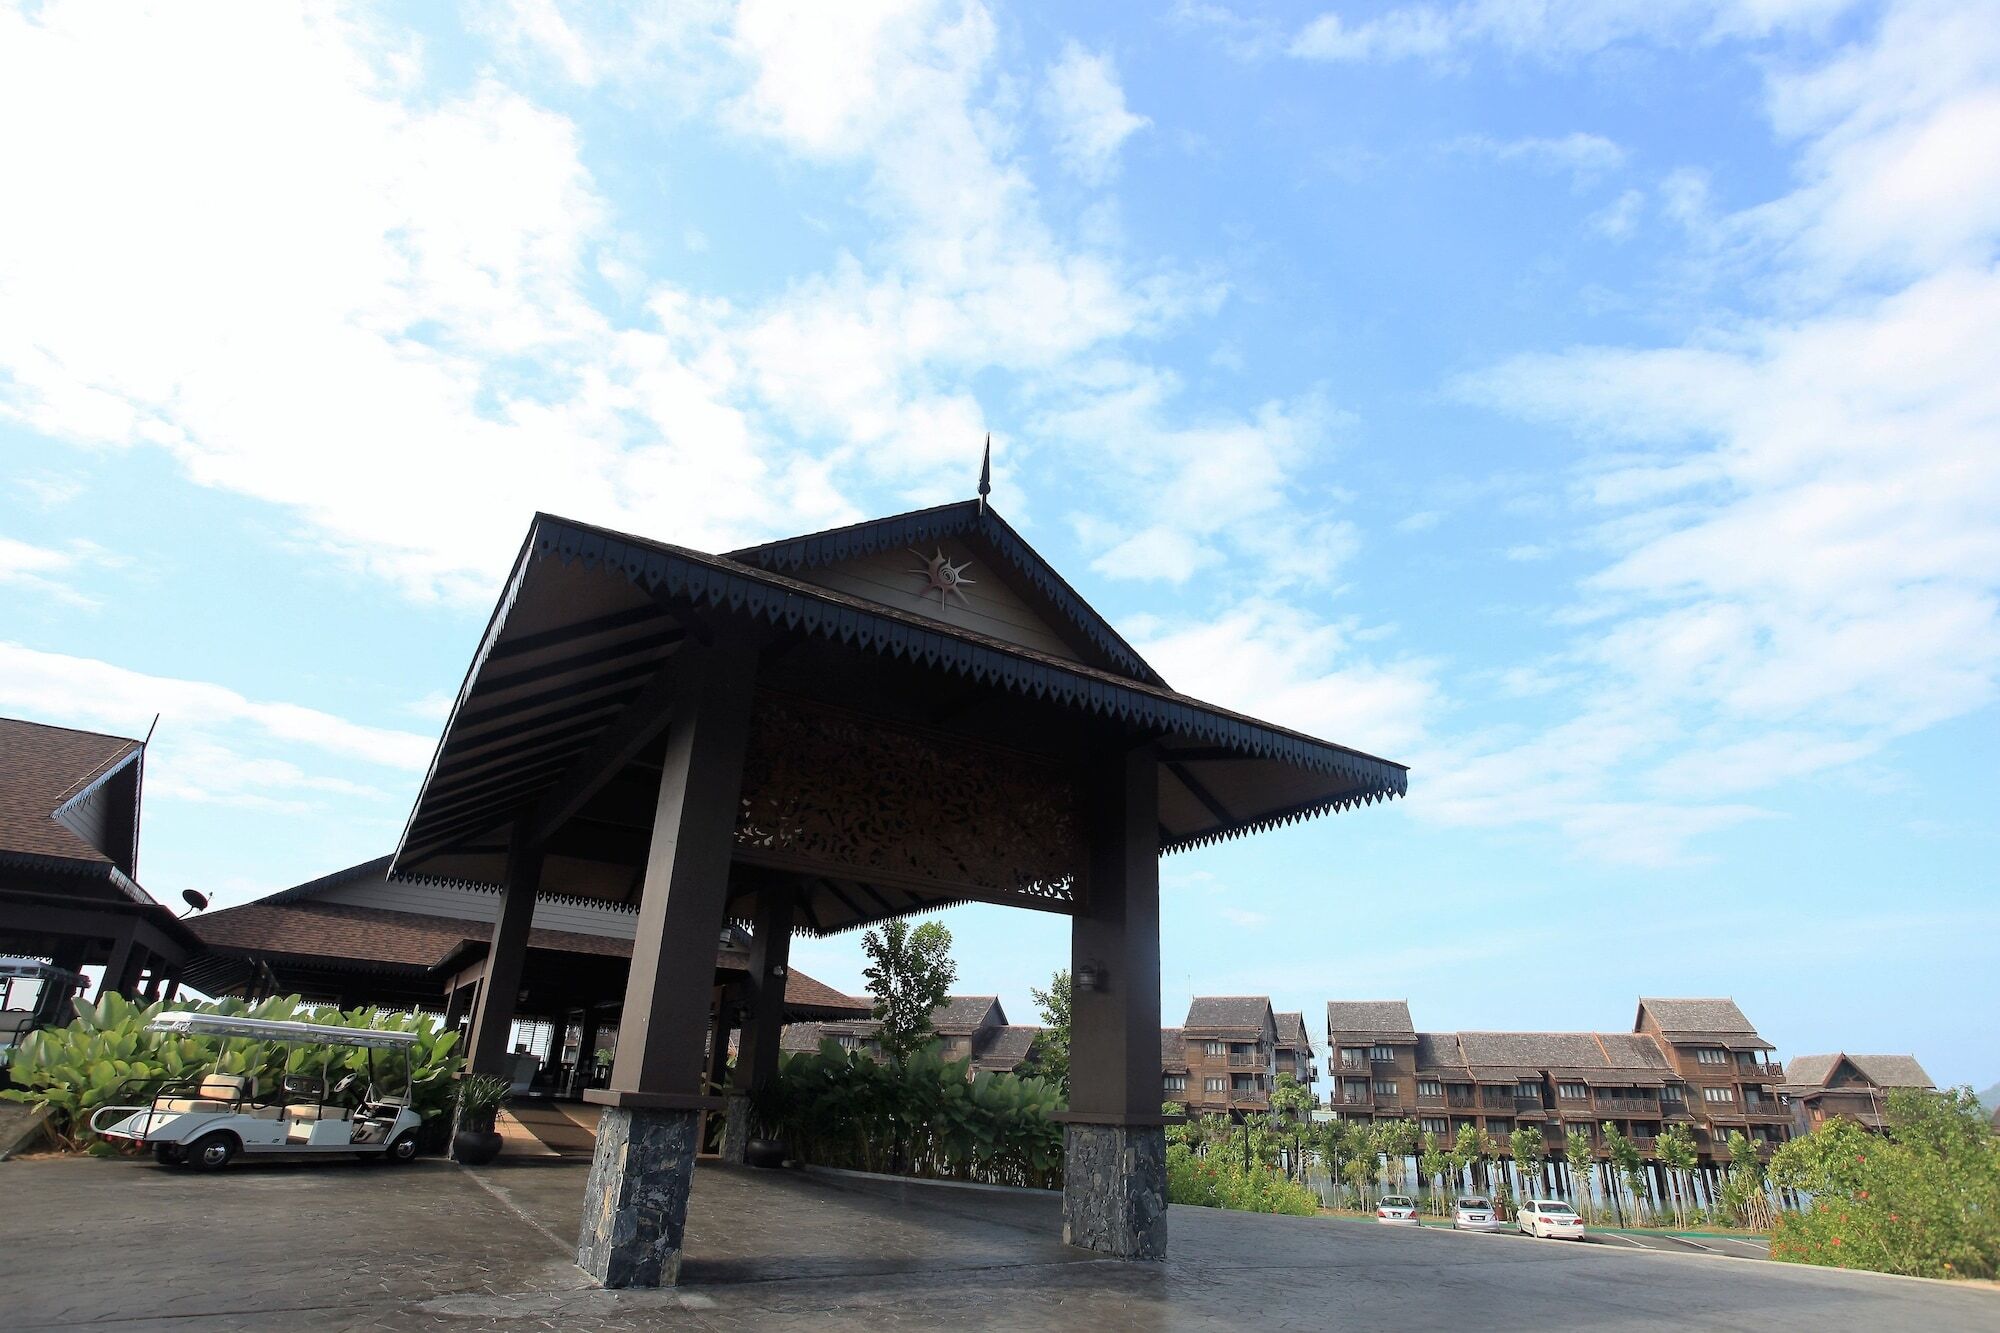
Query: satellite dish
x=196 y=901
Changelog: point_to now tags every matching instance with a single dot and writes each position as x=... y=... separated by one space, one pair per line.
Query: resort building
x=1295 y=1050
x=1822 y=1087
x=1227 y=1056
x=1699 y=1062
x=968 y=1027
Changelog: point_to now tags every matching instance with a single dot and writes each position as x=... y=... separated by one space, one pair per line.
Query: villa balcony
x=1248 y=1060
x=1644 y=1106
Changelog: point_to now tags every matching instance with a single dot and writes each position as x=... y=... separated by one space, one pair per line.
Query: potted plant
x=766 y=1147
x=601 y=1062
x=479 y=1097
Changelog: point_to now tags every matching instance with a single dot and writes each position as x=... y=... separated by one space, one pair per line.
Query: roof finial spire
x=986 y=473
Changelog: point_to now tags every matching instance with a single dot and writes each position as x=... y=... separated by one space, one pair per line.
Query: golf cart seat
x=216 y=1092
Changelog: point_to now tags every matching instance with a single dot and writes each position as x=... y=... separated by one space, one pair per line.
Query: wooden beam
x=1199 y=792
x=617 y=745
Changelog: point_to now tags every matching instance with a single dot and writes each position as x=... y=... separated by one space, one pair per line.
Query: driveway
x=319 y=1245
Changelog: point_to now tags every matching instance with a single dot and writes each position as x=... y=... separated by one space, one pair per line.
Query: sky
x=1594 y=404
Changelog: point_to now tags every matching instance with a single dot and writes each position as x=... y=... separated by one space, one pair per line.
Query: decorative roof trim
x=795 y=553
x=686 y=575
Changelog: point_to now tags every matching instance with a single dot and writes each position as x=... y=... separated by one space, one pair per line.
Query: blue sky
x=1594 y=405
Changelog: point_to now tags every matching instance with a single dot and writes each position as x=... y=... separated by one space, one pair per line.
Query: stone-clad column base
x=1115 y=1189
x=736 y=1129
x=635 y=1206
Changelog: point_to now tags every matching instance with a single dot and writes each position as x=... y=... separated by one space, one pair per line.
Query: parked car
x=1397 y=1210
x=1549 y=1219
x=1475 y=1214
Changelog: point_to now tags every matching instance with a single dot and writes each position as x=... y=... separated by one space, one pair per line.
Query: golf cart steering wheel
x=345 y=1086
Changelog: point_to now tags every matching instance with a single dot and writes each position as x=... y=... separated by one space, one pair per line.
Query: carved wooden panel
x=853 y=797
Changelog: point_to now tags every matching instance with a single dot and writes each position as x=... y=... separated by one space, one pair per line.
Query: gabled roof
x=1439 y=1052
x=1292 y=1031
x=1387 y=1019
x=1173 y=1050
x=46 y=774
x=963 y=519
x=1230 y=1013
x=1612 y=1055
x=962 y=1015
x=1699 y=1020
x=1008 y=1050
x=1807 y=1073
x=590 y=619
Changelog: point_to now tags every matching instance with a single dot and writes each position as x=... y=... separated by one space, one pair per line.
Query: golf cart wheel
x=404 y=1150
x=170 y=1154
x=212 y=1152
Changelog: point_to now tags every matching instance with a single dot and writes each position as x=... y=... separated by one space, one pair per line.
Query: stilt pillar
x=121 y=971
x=764 y=1021
x=454 y=1007
x=635 y=1205
x=1114 y=1136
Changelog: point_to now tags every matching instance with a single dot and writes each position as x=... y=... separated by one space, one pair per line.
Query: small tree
x=1291 y=1099
x=1362 y=1159
x=1052 y=1047
x=1466 y=1149
x=1582 y=1159
x=1432 y=1163
x=910 y=974
x=1675 y=1149
x=1626 y=1165
x=1525 y=1146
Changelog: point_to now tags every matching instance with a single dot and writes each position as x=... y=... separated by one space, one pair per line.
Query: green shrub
x=1922 y=1200
x=918 y=1115
x=1218 y=1179
x=108 y=1057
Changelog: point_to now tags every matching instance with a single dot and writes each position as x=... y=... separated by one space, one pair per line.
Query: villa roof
x=1808 y=1073
x=1388 y=1020
x=1292 y=1031
x=1229 y=1013
x=1008 y=1050
x=1703 y=1020
x=1173 y=1050
x=961 y=1015
x=1627 y=1057
x=47 y=776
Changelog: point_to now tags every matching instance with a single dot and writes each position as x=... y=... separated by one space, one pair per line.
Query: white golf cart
x=204 y=1122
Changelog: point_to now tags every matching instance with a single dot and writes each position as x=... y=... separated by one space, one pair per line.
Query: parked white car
x=206 y=1121
x=1549 y=1219
x=1397 y=1210
x=1475 y=1214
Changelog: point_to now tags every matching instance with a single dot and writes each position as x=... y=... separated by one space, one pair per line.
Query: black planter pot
x=764 y=1152
x=475 y=1147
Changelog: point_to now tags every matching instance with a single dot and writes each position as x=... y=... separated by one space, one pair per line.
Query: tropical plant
x=1676 y=1153
x=1922 y=1199
x=1432 y=1163
x=1628 y=1166
x=1524 y=1145
x=1291 y=1098
x=1221 y=1180
x=1581 y=1158
x=1467 y=1149
x=910 y=973
x=919 y=1114
x=1051 y=1050
x=479 y=1099
x=109 y=1056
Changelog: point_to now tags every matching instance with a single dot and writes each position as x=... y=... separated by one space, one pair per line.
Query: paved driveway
x=322 y=1245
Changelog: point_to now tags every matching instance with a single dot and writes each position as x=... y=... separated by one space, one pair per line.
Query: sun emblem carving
x=942 y=577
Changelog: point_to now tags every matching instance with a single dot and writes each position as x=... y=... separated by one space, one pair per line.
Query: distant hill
x=1990 y=1099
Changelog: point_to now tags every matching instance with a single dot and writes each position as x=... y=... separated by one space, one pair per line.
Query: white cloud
x=46 y=569
x=1583 y=157
x=1275 y=661
x=1618 y=218
x=1801 y=509
x=1085 y=108
x=1548 y=28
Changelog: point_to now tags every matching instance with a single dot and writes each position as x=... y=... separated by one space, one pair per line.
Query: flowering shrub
x=1220 y=1180
x=1922 y=1200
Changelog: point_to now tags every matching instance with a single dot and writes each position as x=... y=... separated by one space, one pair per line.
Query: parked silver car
x=1475 y=1214
x=1550 y=1219
x=1397 y=1210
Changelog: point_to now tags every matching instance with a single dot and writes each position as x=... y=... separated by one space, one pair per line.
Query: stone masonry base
x=1115 y=1190
x=635 y=1206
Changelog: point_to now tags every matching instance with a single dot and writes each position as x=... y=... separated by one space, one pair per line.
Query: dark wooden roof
x=961 y=1015
x=46 y=773
x=343 y=935
x=1717 y=1021
x=1809 y=1073
x=1385 y=1020
x=1229 y=1013
x=1007 y=1051
x=1292 y=1031
x=1173 y=1050
x=589 y=618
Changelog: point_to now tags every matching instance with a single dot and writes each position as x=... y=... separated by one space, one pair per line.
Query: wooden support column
x=635 y=1206
x=493 y=1017
x=764 y=1021
x=1115 y=1176
x=121 y=973
x=454 y=1007
x=55 y=1006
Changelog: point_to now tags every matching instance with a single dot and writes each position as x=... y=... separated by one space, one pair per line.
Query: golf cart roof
x=270 y=1029
x=31 y=969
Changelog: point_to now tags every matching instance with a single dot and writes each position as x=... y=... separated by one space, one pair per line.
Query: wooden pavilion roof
x=587 y=627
